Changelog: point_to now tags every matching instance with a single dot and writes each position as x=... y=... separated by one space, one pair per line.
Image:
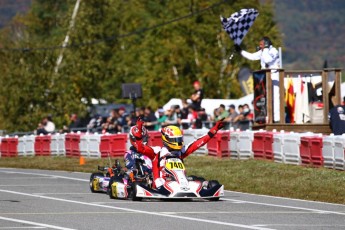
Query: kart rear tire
x=134 y=192
x=212 y=183
x=93 y=175
x=110 y=188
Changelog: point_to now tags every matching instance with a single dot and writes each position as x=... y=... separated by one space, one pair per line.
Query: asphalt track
x=41 y=199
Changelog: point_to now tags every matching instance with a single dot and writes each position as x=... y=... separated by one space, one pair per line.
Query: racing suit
x=131 y=155
x=157 y=153
x=269 y=59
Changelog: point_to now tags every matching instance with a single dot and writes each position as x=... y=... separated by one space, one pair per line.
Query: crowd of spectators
x=190 y=116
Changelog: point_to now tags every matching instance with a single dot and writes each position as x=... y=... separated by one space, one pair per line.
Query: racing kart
x=178 y=185
x=99 y=181
x=116 y=182
x=121 y=184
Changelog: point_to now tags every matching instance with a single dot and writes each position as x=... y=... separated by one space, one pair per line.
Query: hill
x=9 y=8
x=313 y=32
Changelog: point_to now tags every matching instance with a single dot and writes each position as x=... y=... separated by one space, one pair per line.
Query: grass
x=251 y=176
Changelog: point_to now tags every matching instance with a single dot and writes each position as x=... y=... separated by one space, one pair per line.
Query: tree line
x=163 y=45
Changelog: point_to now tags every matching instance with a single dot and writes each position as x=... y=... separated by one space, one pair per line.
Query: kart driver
x=132 y=154
x=172 y=144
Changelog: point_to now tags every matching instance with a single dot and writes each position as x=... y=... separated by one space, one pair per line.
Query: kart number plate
x=174 y=165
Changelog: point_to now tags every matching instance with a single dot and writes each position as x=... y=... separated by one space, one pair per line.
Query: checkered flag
x=238 y=24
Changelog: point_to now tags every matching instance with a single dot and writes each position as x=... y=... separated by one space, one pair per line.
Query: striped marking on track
x=33 y=223
x=140 y=211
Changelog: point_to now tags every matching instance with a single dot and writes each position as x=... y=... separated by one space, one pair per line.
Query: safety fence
x=283 y=147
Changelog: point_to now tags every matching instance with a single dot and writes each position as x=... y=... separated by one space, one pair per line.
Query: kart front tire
x=93 y=175
x=211 y=184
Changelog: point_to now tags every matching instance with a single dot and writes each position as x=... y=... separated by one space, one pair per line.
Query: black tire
x=110 y=188
x=211 y=184
x=93 y=175
x=134 y=192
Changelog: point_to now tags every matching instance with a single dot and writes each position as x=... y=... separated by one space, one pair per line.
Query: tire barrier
x=283 y=147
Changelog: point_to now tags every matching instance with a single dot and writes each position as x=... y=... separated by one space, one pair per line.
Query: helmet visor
x=177 y=140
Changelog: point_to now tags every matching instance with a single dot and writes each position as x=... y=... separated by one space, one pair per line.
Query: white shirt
x=49 y=127
x=269 y=57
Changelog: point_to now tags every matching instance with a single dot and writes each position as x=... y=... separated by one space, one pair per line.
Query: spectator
x=215 y=114
x=197 y=96
x=74 y=124
x=184 y=110
x=336 y=118
x=223 y=113
x=161 y=118
x=132 y=120
x=95 y=124
x=46 y=126
x=111 y=125
x=242 y=118
x=178 y=112
x=202 y=119
x=122 y=118
x=191 y=118
x=171 y=117
x=232 y=116
x=149 y=119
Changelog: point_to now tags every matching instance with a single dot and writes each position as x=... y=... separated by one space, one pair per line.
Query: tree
x=164 y=45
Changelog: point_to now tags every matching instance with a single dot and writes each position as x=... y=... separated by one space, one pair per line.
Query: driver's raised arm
x=192 y=147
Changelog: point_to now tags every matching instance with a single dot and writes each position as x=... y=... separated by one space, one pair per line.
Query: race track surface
x=41 y=199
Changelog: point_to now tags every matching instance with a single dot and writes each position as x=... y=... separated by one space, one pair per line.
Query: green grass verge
x=251 y=176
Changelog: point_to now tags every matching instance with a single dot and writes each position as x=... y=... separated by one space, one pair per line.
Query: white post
x=64 y=44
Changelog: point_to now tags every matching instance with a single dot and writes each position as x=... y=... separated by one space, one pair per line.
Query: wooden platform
x=298 y=128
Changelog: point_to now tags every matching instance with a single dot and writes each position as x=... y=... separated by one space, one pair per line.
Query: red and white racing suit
x=157 y=153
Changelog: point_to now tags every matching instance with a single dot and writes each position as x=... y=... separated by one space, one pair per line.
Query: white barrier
x=245 y=143
x=291 y=148
x=328 y=151
x=339 y=151
x=190 y=135
x=233 y=144
x=197 y=134
x=277 y=146
x=21 y=146
x=57 y=145
x=94 y=143
x=84 y=145
x=26 y=145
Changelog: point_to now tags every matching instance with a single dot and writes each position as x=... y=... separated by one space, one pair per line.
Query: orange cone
x=81 y=160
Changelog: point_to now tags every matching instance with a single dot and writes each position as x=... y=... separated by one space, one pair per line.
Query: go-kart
x=99 y=181
x=117 y=182
x=178 y=185
x=121 y=184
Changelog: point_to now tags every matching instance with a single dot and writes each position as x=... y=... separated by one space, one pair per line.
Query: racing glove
x=140 y=124
x=219 y=125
